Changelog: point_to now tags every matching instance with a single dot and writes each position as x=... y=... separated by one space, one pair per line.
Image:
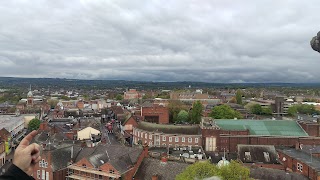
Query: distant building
x=132 y=94
x=32 y=105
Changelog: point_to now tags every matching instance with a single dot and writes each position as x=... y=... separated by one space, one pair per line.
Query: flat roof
x=263 y=127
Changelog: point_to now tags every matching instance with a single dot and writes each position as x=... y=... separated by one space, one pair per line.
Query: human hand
x=26 y=156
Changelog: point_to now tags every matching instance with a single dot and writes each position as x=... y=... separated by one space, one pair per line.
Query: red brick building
x=107 y=162
x=155 y=114
x=300 y=162
x=158 y=135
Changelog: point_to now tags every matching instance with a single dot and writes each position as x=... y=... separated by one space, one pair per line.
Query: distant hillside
x=10 y=82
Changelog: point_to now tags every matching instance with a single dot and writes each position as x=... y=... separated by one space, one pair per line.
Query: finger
x=26 y=140
x=32 y=149
x=36 y=160
x=35 y=156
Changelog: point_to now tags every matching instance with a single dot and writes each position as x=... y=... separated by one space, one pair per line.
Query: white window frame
x=299 y=167
x=164 y=138
x=183 y=139
x=189 y=140
x=176 y=139
x=196 y=140
x=38 y=174
x=146 y=136
x=170 y=139
x=150 y=136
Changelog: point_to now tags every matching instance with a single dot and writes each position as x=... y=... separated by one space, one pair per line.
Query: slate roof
x=303 y=157
x=264 y=127
x=170 y=129
x=120 y=157
x=150 y=167
x=61 y=157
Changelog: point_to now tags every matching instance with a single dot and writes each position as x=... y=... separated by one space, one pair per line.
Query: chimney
x=154 y=177
x=297 y=146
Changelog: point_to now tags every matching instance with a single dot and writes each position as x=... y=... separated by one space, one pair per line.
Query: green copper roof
x=263 y=127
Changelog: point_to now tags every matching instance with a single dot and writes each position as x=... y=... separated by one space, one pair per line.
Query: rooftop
x=264 y=127
x=150 y=167
x=314 y=163
x=170 y=129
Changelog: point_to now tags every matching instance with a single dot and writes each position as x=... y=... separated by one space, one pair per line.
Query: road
x=110 y=137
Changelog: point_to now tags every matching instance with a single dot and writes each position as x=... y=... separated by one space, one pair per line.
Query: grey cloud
x=214 y=41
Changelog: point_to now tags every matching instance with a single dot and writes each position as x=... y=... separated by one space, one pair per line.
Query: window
x=189 y=140
x=38 y=174
x=177 y=139
x=247 y=156
x=142 y=135
x=43 y=163
x=138 y=134
x=84 y=165
x=196 y=140
x=299 y=167
x=266 y=156
x=47 y=175
x=150 y=136
x=164 y=138
x=111 y=171
x=43 y=175
x=183 y=139
x=170 y=139
x=146 y=136
x=164 y=144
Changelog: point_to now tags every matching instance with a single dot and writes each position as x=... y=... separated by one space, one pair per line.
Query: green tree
x=65 y=98
x=292 y=110
x=196 y=112
x=267 y=111
x=224 y=112
x=239 y=96
x=199 y=170
x=234 y=171
x=182 y=116
x=119 y=97
x=256 y=109
x=34 y=124
x=175 y=106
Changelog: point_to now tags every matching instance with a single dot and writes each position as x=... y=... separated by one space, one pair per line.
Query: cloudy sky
x=210 y=41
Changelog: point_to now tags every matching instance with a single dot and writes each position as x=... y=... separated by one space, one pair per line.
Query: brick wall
x=311 y=128
x=149 y=138
x=161 y=112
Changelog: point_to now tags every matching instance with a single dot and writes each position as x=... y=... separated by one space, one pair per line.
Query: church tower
x=30 y=98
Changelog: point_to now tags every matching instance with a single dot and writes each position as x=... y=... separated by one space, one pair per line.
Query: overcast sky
x=211 y=41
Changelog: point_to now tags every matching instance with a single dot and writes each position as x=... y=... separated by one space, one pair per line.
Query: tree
x=234 y=171
x=267 y=111
x=199 y=170
x=182 y=116
x=196 y=112
x=175 y=106
x=239 y=96
x=119 y=97
x=256 y=109
x=53 y=103
x=34 y=124
x=292 y=110
x=224 y=112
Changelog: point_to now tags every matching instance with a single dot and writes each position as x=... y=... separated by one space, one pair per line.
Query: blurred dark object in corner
x=315 y=42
